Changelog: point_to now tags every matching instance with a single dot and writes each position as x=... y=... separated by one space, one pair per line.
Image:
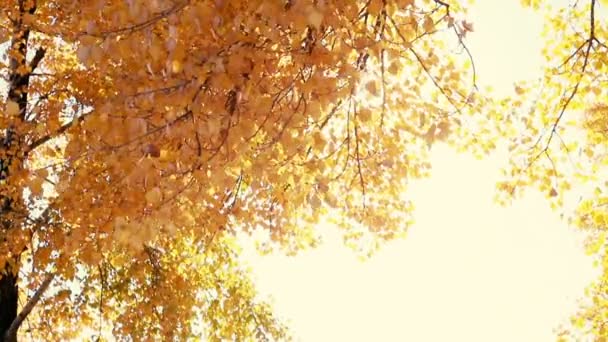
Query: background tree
x=139 y=136
x=557 y=129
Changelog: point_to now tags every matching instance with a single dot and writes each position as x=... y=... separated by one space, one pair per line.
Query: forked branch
x=11 y=333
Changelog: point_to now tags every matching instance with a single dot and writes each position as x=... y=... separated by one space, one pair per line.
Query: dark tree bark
x=10 y=146
x=9 y=293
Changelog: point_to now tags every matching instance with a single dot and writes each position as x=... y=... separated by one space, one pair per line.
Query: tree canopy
x=139 y=137
x=557 y=136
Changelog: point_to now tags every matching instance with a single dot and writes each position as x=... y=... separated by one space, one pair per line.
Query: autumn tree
x=139 y=136
x=557 y=128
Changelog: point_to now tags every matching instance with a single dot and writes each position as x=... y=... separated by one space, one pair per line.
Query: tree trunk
x=10 y=146
x=9 y=293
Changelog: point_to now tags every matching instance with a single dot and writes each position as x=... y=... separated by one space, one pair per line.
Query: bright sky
x=468 y=270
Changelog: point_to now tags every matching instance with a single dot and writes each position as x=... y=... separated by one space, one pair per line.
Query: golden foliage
x=556 y=130
x=144 y=134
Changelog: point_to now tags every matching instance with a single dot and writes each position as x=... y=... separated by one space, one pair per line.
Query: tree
x=557 y=132
x=139 y=136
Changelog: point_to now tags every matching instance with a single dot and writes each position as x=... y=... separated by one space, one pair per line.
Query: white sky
x=468 y=270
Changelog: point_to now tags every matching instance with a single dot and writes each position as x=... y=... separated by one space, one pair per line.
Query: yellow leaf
x=12 y=108
x=428 y=25
x=318 y=141
x=372 y=87
x=553 y=192
x=84 y=53
x=394 y=68
x=365 y=114
x=154 y=196
x=405 y=3
x=467 y=26
x=35 y=186
x=176 y=66
x=315 y=18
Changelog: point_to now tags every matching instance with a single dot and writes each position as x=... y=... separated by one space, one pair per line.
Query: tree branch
x=11 y=333
x=58 y=132
x=37 y=59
